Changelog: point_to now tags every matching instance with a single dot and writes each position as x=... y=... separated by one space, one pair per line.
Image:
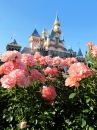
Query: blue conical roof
x=51 y=34
x=79 y=52
x=14 y=42
x=57 y=19
x=35 y=33
x=44 y=29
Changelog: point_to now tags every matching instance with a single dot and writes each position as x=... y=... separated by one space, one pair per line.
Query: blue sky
x=78 y=20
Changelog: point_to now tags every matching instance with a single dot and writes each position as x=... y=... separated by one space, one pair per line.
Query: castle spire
x=57 y=18
x=57 y=25
x=79 y=52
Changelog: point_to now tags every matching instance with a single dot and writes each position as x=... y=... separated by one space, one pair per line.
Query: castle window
x=56 y=40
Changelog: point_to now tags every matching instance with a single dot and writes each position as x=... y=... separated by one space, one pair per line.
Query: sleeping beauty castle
x=49 y=43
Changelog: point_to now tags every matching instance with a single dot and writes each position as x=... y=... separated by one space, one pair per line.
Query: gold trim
x=57 y=23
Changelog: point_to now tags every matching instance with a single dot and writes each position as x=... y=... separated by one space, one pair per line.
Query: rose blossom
x=42 y=60
x=23 y=124
x=48 y=93
x=37 y=57
x=48 y=60
x=68 y=61
x=71 y=81
x=36 y=75
x=20 y=78
x=8 y=81
x=79 y=70
x=20 y=65
x=90 y=44
x=28 y=59
x=8 y=67
x=56 y=60
x=94 y=51
x=10 y=56
x=17 y=74
x=50 y=71
x=23 y=81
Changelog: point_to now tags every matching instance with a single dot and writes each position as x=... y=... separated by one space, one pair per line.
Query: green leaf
x=88 y=99
x=83 y=123
x=72 y=95
x=86 y=110
x=91 y=128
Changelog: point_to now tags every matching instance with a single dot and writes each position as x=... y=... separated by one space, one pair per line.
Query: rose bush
x=37 y=94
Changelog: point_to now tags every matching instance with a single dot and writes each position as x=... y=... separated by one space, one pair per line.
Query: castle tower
x=47 y=42
x=13 y=46
x=34 y=39
x=80 y=57
x=57 y=26
x=44 y=33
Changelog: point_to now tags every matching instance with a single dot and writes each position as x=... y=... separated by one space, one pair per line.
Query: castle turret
x=34 y=39
x=44 y=33
x=57 y=25
x=13 y=46
x=80 y=57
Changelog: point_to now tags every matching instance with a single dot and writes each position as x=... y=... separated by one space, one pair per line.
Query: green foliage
x=73 y=109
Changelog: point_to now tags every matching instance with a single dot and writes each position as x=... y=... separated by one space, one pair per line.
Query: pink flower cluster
x=43 y=60
x=77 y=71
x=90 y=44
x=15 y=77
x=36 y=75
x=11 y=56
x=16 y=70
x=50 y=71
x=68 y=61
x=49 y=93
x=20 y=69
x=28 y=59
x=92 y=49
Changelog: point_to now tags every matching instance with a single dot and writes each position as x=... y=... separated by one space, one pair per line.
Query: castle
x=49 y=43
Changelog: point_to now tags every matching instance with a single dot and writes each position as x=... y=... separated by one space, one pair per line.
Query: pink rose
x=36 y=75
x=68 y=61
x=28 y=59
x=90 y=44
x=11 y=56
x=71 y=81
x=50 y=71
x=8 y=67
x=56 y=60
x=94 y=51
x=23 y=124
x=79 y=70
x=48 y=93
x=8 y=81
